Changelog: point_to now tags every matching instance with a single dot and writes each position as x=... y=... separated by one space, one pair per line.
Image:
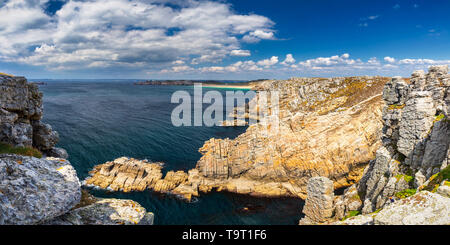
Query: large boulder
x=33 y=190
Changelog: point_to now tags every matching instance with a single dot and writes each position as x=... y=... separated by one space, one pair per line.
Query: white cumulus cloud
x=389 y=59
x=289 y=60
x=239 y=52
x=120 y=33
x=268 y=62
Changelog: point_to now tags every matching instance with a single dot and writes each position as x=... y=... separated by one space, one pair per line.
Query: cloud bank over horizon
x=166 y=38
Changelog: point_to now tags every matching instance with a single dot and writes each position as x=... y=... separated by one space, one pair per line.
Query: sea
x=101 y=120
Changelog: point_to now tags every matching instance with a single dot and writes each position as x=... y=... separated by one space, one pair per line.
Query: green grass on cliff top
x=437 y=179
x=24 y=151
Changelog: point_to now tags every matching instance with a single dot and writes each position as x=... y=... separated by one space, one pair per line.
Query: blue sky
x=235 y=39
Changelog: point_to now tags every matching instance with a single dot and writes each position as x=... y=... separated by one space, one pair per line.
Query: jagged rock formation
x=129 y=174
x=20 y=114
x=45 y=190
x=328 y=127
x=106 y=212
x=32 y=190
x=414 y=156
x=319 y=202
x=416 y=137
x=125 y=174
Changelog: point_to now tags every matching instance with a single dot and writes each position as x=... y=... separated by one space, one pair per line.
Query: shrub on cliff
x=24 y=151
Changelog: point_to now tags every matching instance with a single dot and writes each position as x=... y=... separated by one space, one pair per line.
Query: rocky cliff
x=45 y=190
x=414 y=157
x=328 y=127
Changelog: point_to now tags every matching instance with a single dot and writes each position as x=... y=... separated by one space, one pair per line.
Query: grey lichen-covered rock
x=44 y=137
x=319 y=201
x=33 y=190
x=16 y=94
x=423 y=208
x=17 y=134
x=416 y=138
x=394 y=91
x=357 y=220
x=106 y=212
x=417 y=119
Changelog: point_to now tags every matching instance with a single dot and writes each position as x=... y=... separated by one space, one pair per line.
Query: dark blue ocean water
x=99 y=121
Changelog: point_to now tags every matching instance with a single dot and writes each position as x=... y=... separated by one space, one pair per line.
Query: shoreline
x=243 y=87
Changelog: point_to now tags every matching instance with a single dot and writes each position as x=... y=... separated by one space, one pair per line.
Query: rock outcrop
x=416 y=137
x=20 y=113
x=45 y=190
x=423 y=208
x=33 y=190
x=327 y=127
x=129 y=174
x=125 y=174
x=414 y=156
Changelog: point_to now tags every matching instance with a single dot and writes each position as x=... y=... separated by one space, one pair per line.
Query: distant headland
x=206 y=83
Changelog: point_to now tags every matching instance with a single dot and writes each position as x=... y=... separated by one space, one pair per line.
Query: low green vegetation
x=405 y=193
x=356 y=197
x=351 y=214
x=24 y=151
x=437 y=179
x=407 y=178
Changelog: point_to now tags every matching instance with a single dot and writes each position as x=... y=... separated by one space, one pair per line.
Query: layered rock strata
x=319 y=202
x=327 y=127
x=424 y=208
x=129 y=174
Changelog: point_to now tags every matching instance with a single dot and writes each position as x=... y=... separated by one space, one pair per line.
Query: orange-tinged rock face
x=327 y=127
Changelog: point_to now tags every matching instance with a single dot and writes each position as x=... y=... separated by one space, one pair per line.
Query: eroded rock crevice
x=413 y=158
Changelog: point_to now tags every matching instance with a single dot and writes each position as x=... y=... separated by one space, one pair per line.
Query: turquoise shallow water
x=99 y=121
